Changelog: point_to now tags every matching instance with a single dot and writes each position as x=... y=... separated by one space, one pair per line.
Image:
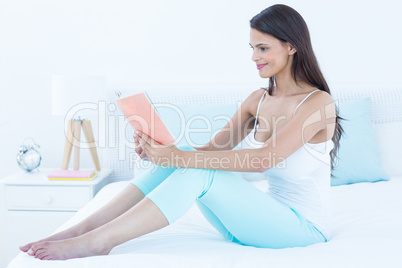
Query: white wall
x=168 y=45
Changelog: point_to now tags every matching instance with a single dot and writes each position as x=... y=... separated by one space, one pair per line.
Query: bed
x=367 y=214
x=367 y=233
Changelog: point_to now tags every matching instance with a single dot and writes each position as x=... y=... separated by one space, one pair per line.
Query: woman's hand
x=159 y=154
x=138 y=148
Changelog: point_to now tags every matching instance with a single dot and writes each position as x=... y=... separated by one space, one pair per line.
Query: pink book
x=142 y=115
x=62 y=173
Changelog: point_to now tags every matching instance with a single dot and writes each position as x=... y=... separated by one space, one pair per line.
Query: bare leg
x=125 y=200
x=141 y=219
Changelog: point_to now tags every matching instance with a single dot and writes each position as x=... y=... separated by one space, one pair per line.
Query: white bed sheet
x=367 y=232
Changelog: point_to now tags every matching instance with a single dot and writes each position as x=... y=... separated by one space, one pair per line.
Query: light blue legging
x=239 y=211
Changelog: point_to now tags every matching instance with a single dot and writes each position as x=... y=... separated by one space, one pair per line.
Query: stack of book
x=71 y=175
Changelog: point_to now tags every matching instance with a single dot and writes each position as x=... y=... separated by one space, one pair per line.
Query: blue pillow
x=358 y=156
x=195 y=125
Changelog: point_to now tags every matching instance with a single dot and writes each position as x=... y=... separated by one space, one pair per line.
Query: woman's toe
x=40 y=254
x=26 y=247
x=44 y=257
x=30 y=252
x=36 y=249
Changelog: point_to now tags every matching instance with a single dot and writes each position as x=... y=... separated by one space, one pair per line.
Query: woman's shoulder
x=317 y=99
x=251 y=102
x=321 y=96
x=256 y=95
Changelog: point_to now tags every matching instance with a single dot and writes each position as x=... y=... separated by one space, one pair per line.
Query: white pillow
x=388 y=137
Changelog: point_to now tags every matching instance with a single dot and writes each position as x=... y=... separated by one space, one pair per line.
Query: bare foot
x=77 y=247
x=69 y=233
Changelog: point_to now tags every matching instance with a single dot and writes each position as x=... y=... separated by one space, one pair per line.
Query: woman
x=295 y=113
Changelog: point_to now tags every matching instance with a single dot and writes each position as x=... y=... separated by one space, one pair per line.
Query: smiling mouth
x=259 y=66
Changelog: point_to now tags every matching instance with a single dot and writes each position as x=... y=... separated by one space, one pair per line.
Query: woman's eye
x=263 y=49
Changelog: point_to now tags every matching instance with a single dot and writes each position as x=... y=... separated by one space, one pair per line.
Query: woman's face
x=270 y=55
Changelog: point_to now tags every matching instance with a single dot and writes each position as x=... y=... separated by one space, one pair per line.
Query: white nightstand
x=35 y=207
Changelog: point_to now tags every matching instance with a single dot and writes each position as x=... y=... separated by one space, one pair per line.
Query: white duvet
x=367 y=232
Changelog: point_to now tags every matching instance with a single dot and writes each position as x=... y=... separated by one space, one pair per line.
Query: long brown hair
x=287 y=25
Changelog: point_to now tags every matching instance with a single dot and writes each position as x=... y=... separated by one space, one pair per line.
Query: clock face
x=30 y=160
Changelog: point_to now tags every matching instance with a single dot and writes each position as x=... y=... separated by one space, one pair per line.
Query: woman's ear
x=292 y=50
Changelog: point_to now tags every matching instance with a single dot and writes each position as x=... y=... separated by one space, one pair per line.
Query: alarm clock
x=28 y=157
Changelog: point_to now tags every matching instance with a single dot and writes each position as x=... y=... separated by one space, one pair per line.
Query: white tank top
x=302 y=180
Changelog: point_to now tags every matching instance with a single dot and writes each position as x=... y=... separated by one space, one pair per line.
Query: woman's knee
x=225 y=176
x=186 y=179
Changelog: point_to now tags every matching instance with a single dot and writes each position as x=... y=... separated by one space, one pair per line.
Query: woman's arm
x=317 y=114
x=237 y=128
x=246 y=160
